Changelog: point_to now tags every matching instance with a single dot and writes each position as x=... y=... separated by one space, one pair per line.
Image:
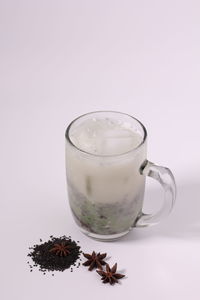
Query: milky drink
x=103 y=163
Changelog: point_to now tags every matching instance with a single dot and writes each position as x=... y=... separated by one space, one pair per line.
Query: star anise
x=61 y=249
x=95 y=260
x=110 y=275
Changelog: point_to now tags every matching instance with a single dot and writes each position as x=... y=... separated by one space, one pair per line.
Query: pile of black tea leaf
x=57 y=254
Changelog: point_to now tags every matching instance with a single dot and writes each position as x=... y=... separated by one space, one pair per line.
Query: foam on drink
x=105 y=137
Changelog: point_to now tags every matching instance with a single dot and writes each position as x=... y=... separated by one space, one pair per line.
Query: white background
x=60 y=59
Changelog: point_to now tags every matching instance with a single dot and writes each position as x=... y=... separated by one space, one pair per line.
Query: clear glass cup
x=106 y=169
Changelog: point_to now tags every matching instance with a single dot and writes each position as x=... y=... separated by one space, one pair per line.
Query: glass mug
x=106 y=169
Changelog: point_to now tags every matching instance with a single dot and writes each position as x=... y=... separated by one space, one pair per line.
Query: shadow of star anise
x=110 y=275
x=94 y=260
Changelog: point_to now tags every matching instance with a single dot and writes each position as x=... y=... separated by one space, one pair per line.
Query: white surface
x=60 y=59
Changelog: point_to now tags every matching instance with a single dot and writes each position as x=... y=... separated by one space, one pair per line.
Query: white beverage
x=105 y=137
x=103 y=163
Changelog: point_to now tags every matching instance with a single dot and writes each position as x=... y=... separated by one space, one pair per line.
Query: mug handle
x=165 y=177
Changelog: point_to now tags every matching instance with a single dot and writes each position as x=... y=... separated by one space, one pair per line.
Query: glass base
x=104 y=238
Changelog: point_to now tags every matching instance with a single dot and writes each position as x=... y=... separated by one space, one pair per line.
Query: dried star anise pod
x=110 y=275
x=61 y=249
x=94 y=260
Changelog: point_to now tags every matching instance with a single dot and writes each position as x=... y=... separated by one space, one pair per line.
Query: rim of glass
x=105 y=155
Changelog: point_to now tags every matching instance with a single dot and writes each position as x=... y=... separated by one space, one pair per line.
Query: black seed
x=49 y=261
